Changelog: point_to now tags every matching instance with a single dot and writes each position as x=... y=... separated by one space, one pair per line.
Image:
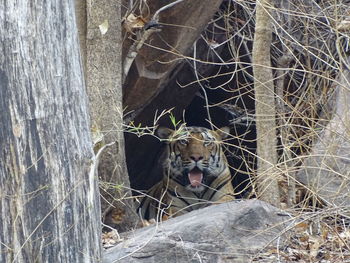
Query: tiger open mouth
x=196 y=177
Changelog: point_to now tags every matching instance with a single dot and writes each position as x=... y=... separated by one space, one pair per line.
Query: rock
x=163 y=51
x=326 y=170
x=229 y=232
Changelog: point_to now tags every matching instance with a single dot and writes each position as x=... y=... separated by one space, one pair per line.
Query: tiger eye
x=183 y=141
x=207 y=143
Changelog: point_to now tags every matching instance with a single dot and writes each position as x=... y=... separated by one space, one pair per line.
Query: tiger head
x=195 y=156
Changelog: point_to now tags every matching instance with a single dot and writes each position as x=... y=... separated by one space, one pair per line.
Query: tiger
x=195 y=173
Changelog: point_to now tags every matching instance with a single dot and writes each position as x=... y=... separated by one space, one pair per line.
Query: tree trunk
x=49 y=205
x=80 y=11
x=104 y=73
x=267 y=181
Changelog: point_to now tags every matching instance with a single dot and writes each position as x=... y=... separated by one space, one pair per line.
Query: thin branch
x=156 y=14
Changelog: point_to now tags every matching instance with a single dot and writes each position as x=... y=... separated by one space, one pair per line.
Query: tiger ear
x=223 y=132
x=164 y=133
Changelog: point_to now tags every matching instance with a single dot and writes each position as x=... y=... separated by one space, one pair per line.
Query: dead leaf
x=344 y=25
x=109 y=239
x=314 y=245
x=133 y=22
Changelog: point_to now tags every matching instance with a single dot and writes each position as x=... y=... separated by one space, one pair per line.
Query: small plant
x=173 y=120
x=140 y=130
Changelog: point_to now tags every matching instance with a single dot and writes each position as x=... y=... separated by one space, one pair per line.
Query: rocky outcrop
x=229 y=232
x=326 y=170
x=179 y=27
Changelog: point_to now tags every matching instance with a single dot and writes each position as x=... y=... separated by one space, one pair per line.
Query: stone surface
x=230 y=232
x=181 y=26
x=326 y=170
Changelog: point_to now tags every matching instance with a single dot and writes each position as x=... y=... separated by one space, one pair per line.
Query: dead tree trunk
x=267 y=182
x=104 y=74
x=49 y=205
x=80 y=12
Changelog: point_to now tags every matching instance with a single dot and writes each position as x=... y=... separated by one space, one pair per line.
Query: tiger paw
x=145 y=222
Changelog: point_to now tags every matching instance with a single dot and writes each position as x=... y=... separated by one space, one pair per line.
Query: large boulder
x=326 y=170
x=229 y=232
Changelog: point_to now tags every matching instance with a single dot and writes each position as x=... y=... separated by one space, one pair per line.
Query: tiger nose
x=196 y=157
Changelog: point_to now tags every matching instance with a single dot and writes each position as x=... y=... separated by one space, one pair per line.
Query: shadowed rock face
x=326 y=170
x=181 y=25
x=229 y=232
x=153 y=83
x=161 y=80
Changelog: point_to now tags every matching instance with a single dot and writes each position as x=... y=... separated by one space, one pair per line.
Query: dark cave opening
x=226 y=93
x=240 y=147
x=143 y=164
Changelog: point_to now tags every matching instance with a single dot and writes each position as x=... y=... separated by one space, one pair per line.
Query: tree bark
x=267 y=180
x=80 y=11
x=104 y=74
x=49 y=204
